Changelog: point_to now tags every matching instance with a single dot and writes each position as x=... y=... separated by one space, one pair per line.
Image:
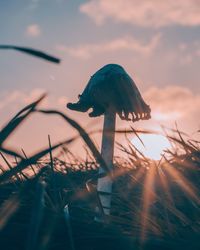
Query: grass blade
x=33 y=52
x=69 y=228
x=83 y=134
x=36 y=218
x=18 y=119
x=32 y=160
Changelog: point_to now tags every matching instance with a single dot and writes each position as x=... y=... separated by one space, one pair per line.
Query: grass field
x=48 y=203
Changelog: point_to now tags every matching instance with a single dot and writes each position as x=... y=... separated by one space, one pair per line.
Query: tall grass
x=155 y=203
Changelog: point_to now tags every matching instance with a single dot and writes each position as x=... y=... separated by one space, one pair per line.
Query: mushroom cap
x=111 y=86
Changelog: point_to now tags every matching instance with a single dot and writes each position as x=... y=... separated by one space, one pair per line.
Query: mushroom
x=111 y=91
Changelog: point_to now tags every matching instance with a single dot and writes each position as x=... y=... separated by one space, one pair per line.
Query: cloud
x=33 y=30
x=181 y=55
x=17 y=99
x=146 y=13
x=174 y=103
x=126 y=43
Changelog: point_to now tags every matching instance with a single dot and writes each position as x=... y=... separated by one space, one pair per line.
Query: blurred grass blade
x=11 y=152
x=9 y=165
x=21 y=172
x=69 y=227
x=135 y=132
x=10 y=127
x=18 y=119
x=127 y=131
x=6 y=161
x=188 y=149
x=30 y=106
x=83 y=134
x=8 y=209
x=132 y=130
x=31 y=166
x=95 y=195
x=55 y=194
x=32 y=160
x=33 y=52
x=36 y=217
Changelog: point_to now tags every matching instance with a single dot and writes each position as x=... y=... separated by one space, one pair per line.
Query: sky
x=157 y=42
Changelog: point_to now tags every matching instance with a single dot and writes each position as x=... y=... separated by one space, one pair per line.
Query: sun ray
x=185 y=184
x=165 y=185
x=166 y=197
x=147 y=199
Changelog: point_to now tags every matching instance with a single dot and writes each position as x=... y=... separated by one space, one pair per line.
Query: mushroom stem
x=104 y=185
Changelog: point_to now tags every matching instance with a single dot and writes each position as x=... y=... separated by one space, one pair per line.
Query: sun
x=154 y=145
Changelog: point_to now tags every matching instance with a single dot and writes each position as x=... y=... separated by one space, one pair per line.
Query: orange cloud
x=146 y=13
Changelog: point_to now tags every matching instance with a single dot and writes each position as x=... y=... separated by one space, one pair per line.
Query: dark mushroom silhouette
x=112 y=86
x=111 y=91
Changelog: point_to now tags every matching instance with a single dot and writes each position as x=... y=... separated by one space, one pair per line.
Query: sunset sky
x=157 y=42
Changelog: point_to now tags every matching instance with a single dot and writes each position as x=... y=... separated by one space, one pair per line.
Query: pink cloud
x=146 y=13
x=127 y=43
x=174 y=104
x=33 y=30
x=13 y=101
